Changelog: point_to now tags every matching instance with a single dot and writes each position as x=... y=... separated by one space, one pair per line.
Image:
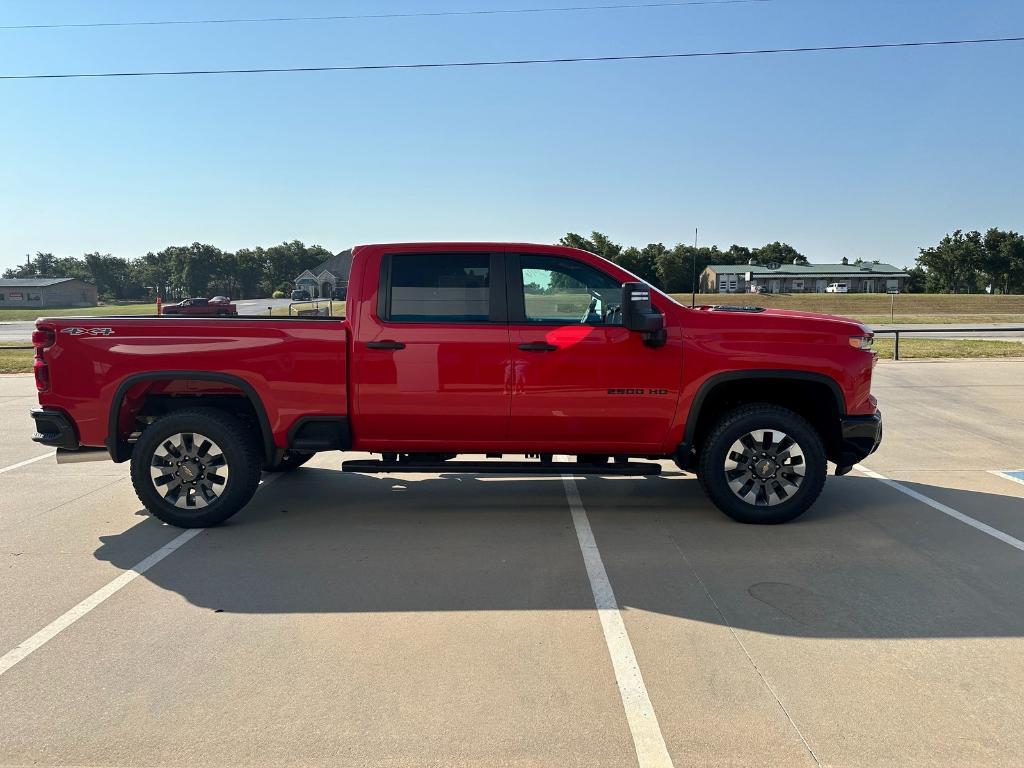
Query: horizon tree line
x=962 y=262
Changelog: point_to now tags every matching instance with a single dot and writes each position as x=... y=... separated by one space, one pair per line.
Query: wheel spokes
x=764 y=467
x=189 y=471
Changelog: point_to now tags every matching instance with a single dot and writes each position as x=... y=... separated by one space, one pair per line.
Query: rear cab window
x=440 y=288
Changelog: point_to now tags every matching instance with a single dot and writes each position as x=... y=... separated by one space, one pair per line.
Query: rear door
x=581 y=381
x=432 y=362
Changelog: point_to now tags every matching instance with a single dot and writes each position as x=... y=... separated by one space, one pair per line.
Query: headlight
x=862 y=342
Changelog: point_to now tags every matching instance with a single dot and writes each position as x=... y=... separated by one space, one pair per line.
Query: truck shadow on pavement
x=865 y=562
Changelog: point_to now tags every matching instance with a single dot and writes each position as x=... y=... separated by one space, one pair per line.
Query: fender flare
x=715 y=380
x=119 y=449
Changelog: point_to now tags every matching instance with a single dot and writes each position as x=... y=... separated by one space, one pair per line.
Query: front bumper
x=55 y=429
x=859 y=438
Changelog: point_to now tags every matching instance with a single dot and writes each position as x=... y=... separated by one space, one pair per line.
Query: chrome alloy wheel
x=189 y=470
x=765 y=467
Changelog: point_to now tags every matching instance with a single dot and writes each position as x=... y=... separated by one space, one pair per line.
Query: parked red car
x=467 y=348
x=218 y=306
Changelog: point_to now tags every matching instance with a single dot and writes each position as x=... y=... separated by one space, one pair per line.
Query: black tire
x=738 y=425
x=290 y=461
x=238 y=455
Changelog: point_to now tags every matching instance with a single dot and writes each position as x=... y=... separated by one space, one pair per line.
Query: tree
x=738 y=254
x=676 y=268
x=1002 y=262
x=778 y=253
x=954 y=263
x=918 y=280
x=248 y=265
x=114 y=277
x=286 y=261
x=643 y=262
x=44 y=265
x=572 y=240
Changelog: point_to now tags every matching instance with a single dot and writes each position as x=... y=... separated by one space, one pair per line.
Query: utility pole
x=693 y=282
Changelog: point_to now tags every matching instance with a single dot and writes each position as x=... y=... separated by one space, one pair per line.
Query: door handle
x=538 y=346
x=386 y=344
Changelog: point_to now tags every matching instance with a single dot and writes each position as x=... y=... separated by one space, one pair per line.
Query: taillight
x=42 y=339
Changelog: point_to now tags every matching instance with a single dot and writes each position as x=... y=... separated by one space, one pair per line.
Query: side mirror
x=639 y=314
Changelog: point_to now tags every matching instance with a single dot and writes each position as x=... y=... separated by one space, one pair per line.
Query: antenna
x=693 y=281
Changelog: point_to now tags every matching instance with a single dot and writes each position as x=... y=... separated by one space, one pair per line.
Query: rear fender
x=130 y=395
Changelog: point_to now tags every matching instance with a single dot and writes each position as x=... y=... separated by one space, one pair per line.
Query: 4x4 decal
x=90 y=331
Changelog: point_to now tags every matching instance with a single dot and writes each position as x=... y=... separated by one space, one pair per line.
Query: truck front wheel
x=195 y=468
x=763 y=464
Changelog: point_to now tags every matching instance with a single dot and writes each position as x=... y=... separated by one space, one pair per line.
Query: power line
x=397 y=15
x=517 y=62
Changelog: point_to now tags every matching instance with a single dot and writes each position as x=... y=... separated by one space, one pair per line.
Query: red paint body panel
x=297 y=367
x=454 y=387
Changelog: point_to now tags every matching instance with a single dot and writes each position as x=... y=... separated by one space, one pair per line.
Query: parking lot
x=453 y=620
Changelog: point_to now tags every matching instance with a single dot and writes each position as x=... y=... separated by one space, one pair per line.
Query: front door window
x=563 y=292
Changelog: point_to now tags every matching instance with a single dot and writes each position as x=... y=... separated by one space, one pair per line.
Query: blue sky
x=870 y=154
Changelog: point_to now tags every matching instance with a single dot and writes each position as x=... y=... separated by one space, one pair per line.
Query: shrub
x=277 y=295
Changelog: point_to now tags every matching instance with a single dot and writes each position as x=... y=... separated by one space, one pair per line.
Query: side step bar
x=374 y=467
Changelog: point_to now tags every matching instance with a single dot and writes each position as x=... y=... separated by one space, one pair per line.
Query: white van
x=837 y=288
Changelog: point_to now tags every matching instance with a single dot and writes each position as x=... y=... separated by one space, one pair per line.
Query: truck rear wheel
x=195 y=468
x=763 y=464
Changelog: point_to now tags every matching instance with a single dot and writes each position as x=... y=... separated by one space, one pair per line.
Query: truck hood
x=758 y=317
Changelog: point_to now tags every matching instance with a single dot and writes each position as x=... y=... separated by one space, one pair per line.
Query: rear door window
x=437 y=287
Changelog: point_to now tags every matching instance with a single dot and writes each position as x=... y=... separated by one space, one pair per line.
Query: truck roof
x=458 y=245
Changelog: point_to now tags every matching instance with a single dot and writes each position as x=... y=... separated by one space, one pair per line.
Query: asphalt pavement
x=453 y=620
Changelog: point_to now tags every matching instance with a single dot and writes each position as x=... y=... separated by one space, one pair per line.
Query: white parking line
x=648 y=741
x=955 y=514
x=58 y=625
x=62 y=622
x=1013 y=475
x=27 y=462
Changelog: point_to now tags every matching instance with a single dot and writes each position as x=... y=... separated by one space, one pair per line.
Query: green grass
x=920 y=349
x=15 y=360
x=339 y=309
x=103 y=311
x=874 y=308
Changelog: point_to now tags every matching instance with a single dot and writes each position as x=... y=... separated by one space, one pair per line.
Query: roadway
x=451 y=620
x=21 y=330
x=996 y=331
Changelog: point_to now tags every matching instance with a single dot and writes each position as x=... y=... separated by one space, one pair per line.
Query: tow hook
x=840 y=471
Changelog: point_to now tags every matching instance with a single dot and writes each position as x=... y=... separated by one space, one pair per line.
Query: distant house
x=865 y=277
x=322 y=281
x=30 y=292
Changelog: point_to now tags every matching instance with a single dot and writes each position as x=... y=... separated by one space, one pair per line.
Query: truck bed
x=296 y=367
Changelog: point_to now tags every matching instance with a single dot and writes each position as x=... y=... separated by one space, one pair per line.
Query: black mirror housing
x=639 y=314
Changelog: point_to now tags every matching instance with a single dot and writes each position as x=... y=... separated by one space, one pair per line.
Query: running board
x=372 y=467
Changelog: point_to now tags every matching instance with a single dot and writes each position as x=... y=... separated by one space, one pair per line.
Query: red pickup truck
x=488 y=349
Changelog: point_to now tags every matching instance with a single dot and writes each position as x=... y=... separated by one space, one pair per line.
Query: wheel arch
x=815 y=396
x=120 y=449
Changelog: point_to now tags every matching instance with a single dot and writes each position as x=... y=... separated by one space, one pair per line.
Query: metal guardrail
x=897 y=331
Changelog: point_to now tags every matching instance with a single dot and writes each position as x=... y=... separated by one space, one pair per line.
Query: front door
x=582 y=383
x=431 y=368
